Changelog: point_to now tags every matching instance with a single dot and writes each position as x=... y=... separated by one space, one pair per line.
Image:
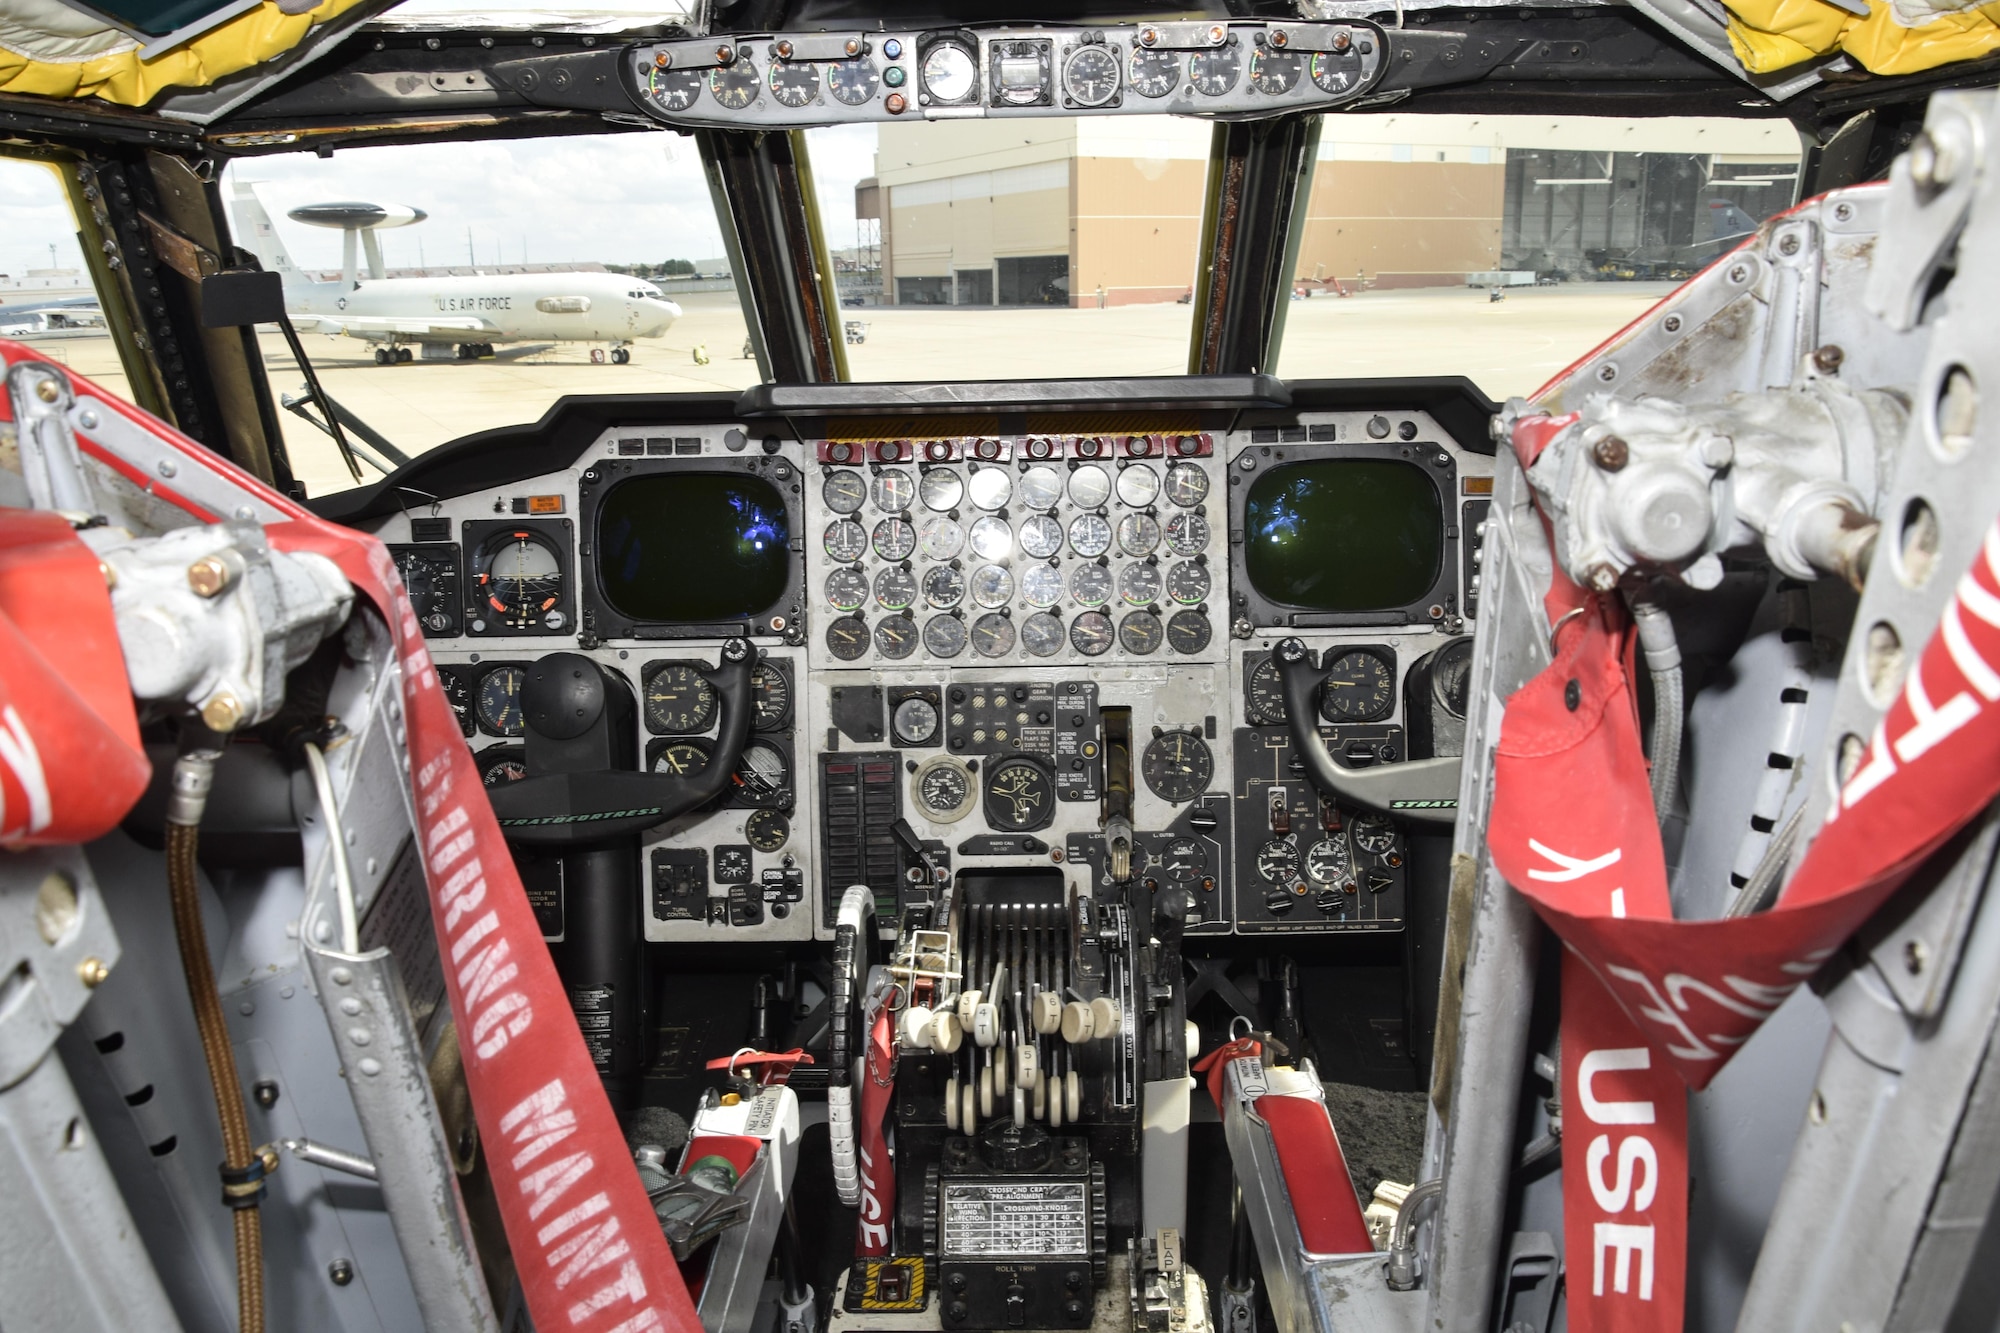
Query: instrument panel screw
x=341 y=1271
x=1788 y=244
x=47 y=391
x=1915 y=956
x=1611 y=453
x=265 y=1093
x=93 y=972
x=1672 y=323
x=1602 y=577
x=1828 y=358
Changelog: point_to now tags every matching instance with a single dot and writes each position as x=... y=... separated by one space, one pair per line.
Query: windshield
x=1501 y=248
x=443 y=289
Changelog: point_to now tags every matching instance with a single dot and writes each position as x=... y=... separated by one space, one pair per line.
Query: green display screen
x=680 y=547
x=1350 y=535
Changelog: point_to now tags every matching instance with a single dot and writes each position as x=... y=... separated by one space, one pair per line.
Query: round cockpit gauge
x=794 y=83
x=502 y=764
x=1139 y=584
x=1188 y=631
x=1187 y=485
x=1138 y=534
x=1177 y=766
x=1090 y=535
x=895 y=538
x=767 y=831
x=681 y=759
x=1042 y=634
x=1041 y=487
x=770 y=696
x=1183 y=861
x=846 y=588
x=1187 y=533
x=993 y=635
x=1360 y=687
x=1090 y=76
x=1140 y=632
x=1090 y=585
x=847 y=638
x=1275 y=72
x=497 y=703
x=944 y=636
x=949 y=73
x=1089 y=486
x=1278 y=862
x=1336 y=71
x=1187 y=582
x=1041 y=586
x=1451 y=676
x=1153 y=73
x=1020 y=796
x=944 y=587
x=844 y=491
x=992 y=585
x=895 y=588
x=846 y=540
x=1264 y=695
x=1373 y=834
x=942 y=789
x=1091 y=634
x=1214 y=72
x=990 y=487
x=734 y=87
x=1328 y=861
x=915 y=721
x=1041 y=536
x=458 y=693
x=853 y=81
x=896 y=636
x=673 y=89
x=939 y=538
x=991 y=539
x=679 y=700
x=763 y=776
x=894 y=490
x=941 y=489
x=1138 y=485
x=520 y=580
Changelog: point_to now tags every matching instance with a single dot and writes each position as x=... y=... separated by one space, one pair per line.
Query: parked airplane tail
x=254 y=229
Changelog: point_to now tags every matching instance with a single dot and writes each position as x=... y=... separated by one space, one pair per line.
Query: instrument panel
x=1019 y=646
x=1233 y=68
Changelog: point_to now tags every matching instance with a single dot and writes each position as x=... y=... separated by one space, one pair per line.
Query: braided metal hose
x=244 y=1165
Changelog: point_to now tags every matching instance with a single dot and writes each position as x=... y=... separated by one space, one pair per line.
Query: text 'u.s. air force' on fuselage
x=471 y=313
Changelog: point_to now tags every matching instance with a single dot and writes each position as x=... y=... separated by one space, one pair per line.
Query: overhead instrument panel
x=1204 y=67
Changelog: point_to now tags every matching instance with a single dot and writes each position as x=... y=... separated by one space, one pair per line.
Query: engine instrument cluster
x=981 y=650
x=1197 y=68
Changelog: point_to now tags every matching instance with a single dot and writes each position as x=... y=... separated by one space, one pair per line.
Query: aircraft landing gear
x=382 y=356
x=619 y=356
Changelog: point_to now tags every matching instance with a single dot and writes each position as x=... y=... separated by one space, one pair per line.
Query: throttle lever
x=1424 y=790
x=574 y=809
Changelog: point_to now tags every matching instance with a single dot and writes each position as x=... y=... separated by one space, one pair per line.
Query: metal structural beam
x=763 y=189
x=1259 y=181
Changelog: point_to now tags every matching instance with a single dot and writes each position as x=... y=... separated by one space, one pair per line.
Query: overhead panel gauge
x=1275 y=73
x=794 y=84
x=734 y=87
x=518 y=579
x=673 y=89
x=1154 y=73
x=949 y=74
x=853 y=82
x=1336 y=71
x=1090 y=76
x=1019 y=72
x=1215 y=71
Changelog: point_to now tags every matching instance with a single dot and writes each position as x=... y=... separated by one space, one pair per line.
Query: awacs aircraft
x=472 y=314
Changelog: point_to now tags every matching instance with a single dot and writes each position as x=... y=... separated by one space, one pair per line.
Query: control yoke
x=1425 y=790
x=563 y=703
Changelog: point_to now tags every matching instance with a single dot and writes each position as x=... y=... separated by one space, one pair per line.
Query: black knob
x=564 y=695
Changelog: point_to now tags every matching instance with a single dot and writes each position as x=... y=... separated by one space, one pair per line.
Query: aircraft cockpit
x=792 y=668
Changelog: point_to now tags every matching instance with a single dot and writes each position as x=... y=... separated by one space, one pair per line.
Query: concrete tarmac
x=1506 y=347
